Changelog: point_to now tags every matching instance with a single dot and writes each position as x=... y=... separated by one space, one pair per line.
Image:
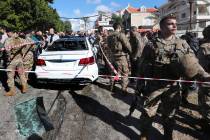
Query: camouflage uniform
x=14 y=62
x=204 y=91
x=168 y=60
x=98 y=41
x=28 y=57
x=136 y=44
x=120 y=46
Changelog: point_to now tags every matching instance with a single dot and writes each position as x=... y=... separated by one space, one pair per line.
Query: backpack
x=114 y=43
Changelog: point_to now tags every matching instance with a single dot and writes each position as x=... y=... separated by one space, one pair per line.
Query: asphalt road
x=92 y=113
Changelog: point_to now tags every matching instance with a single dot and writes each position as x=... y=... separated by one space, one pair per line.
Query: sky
x=79 y=8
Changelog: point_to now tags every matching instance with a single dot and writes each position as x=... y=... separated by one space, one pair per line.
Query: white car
x=68 y=60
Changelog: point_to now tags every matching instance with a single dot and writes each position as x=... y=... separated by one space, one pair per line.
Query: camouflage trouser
x=123 y=70
x=16 y=64
x=166 y=101
x=204 y=102
x=169 y=97
x=135 y=67
x=28 y=62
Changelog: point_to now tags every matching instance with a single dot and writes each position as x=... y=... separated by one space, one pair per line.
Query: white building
x=81 y=25
x=196 y=21
x=139 y=17
x=104 y=20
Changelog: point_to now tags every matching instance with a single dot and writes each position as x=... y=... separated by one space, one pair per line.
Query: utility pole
x=85 y=19
x=191 y=4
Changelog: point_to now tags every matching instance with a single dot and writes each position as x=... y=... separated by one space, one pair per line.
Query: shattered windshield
x=68 y=46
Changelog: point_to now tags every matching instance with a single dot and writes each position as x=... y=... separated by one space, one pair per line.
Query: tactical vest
x=166 y=62
x=15 y=52
x=115 y=43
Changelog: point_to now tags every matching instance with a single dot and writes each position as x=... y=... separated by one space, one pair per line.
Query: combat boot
x=24 y=88
x=11 y=92
x=168 y=124
x=146 y=124
x=205 y=127
x=112 y=85
x=143 y=137
x=124 y=92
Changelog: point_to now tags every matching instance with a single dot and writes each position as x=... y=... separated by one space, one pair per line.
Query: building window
x=202 y=24
x=183 y=15
x=202 y=10
x=179 y=27
x=148 y=22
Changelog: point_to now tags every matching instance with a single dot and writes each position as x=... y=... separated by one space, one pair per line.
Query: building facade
x=192 y=15
x=104 y=19
x=140 y=17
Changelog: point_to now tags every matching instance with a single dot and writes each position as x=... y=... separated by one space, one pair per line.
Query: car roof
x=72 y=38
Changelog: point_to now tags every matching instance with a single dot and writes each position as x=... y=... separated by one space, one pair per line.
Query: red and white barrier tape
x=111 y=76
x=20 y=45
x=116 y=77
x=160 y=79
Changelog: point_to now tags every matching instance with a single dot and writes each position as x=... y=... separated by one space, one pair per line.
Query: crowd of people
x=161 y=55
x=22 y=58
x=147 y=54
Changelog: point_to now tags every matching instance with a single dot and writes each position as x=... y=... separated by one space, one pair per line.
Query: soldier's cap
x=9 y=30
x=169 y=16
x=3 y=27
x=28 y=31
x=133 y=28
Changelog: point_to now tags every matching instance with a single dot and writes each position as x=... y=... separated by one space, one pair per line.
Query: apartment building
x=192 y=15
x=139 y=17
x=104 y=20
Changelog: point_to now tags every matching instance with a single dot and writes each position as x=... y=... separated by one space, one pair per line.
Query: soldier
x=107 y=51
x=120 y=47
x=14 y=61
x=99 y=35
x=136 y=44
x=204 y=91
x=166 y=57
x=144 y=38
x=28 y=55
x=100 y=40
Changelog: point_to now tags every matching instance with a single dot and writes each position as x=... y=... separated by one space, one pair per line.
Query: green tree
x=29 y=14
x=50 y=1
x=67 y=25
x=117 y=19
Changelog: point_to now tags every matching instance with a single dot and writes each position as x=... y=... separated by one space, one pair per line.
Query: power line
x=188 y=22
x=80 y=17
